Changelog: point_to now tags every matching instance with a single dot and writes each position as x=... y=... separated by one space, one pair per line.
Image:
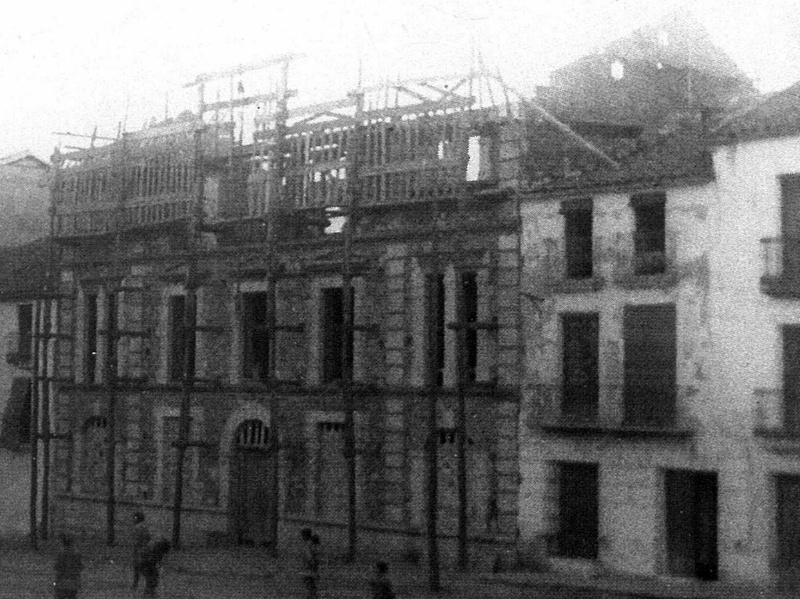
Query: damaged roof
x=773 y=115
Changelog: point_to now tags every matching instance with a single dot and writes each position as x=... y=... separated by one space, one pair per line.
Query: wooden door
x=250 y=487
x=691 y=519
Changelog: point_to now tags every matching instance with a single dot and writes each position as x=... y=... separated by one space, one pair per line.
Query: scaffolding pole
x=347 y=338
x=189 y=336
x=273 y=210
x=34 y=429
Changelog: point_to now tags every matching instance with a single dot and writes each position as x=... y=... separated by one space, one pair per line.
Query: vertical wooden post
x=461 y=422
x=347 y=337
x=110 y=376
x=189 y=335
x=433 y=299
x=45 y=417
x=34 y=428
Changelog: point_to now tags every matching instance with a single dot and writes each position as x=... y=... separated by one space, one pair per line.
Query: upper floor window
x=255 y=334
x=435 y=326
x=650 y=365
x=90 y=331
x=649 y=238
x=337 y=358
x=469 y=299
x=580 y=385
x=578 y=239
x=177 y=337
x=25 y=329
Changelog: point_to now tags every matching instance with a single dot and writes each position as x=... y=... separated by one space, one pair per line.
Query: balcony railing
x=771 y=418
x=780 y=275
x=608 y=417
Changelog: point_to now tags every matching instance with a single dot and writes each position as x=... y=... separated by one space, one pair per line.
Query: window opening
x=436 y=327
x=333 y=332
x=177 y=336
x=578 y=234
x=90 y=361
x=469 y=290
x=255 y=331
x=649 y=237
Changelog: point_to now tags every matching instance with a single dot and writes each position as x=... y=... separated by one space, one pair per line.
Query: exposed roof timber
x=411 y=92
x=321 y=107
x=243 y=68
x=225 y=104
x=93 y=136
x=441 y=90
x=561 y=126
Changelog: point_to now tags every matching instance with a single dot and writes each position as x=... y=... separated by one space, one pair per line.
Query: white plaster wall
x=631 y=472
x=747 y=356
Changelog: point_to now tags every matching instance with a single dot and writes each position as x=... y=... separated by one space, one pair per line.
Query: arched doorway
x=250 y=492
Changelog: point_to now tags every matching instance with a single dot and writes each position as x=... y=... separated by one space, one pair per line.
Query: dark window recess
x=255 y=333
x=578 y=234
x=111 y=332
x=580 y=384
x=435 y=326
x=649 y=237
x=691 y=522
x=333 y=333
x=469 y=297
x=578 y=510
x=650 y=365
x=177 y=337
x=25 y=329
x=790 y=225
x=787 y=527
x=90 y=357
x=791 y=377
x=16 y=427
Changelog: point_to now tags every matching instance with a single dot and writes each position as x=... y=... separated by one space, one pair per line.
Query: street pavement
x=250 y=573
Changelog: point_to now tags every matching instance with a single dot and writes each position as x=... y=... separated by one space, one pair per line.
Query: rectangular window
x=177 y=337
x=790 y=224
x=578 y=510
x=691 y=523
x=650 y=365
x=333 y=334
x=25 y=333
x=90 y=356
x=650 y=236
x=111 y=332
x=578 y=242
x=580 y=385
x=255 y=334
x=791 y=377
x=469 y=297
x=435 y=326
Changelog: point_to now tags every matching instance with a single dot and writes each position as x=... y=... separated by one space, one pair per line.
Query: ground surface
x=250 y=573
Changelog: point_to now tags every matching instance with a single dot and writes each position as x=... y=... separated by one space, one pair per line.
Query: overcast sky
x=71 y=66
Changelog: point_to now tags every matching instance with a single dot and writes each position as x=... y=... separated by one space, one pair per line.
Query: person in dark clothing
x=310 y=572
x=380 y=585
x=141 y=541
x=68 y=568
x=151 y=565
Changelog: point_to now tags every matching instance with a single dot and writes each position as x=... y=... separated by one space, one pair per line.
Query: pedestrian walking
x=68 y=568
x=381 y=585
x=151 y=565
x=310 y=570
x=141 y=541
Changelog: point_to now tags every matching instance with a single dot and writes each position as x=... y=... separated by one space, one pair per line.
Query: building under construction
x=260 y=316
